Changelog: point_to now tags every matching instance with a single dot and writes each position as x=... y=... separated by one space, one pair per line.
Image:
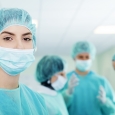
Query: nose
x=19 y=44
x=84 y=58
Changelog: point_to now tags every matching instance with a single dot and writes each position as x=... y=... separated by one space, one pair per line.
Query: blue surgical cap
x=113 y=59
x=48 y=66
x=83 y=47
x=15 y=16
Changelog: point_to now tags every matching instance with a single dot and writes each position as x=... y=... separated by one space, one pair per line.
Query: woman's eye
x=8 y=38
x=27 y=39
x=81 y=57
x=87 y=57
x=62 y=74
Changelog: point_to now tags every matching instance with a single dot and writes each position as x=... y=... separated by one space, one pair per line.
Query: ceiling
x=61 y=23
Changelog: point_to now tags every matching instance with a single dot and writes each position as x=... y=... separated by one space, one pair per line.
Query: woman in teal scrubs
x=17 y=47
x=50 y=72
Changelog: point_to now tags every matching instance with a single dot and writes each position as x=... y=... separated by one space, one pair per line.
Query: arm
x=67 y=98
x=68 y=92
x=108 y=107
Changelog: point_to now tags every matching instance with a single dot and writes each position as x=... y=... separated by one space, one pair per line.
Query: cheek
x=1 y=42
x=7 y=44
x=53 y=79
x=28 y=45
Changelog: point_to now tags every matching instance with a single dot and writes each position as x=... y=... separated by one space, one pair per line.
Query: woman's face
x=16 y=37
x=55 y=77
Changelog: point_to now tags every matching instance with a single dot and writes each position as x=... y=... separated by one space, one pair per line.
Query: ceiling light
x=105 y=30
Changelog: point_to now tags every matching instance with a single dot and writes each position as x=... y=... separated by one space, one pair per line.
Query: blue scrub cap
x=83 y=47
x=15 y=16
x=48 y=66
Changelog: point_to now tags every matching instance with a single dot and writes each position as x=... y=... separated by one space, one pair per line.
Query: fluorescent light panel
x=105 y=30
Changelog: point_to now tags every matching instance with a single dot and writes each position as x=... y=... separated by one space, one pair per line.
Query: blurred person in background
x=51 y=74
x=94 y=94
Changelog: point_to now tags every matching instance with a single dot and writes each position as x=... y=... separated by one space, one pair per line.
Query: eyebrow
x=6 y=32
x=28 y=33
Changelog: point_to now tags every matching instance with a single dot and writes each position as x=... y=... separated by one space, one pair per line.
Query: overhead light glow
x=34 y=21
x=105 y=30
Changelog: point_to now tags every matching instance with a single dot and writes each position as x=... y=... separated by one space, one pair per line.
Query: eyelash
x=27 y=39
x=9 y=39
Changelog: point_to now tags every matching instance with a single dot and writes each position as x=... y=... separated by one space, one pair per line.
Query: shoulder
x=46 y=91
x=98 y=77
x=32 y=94
x=34 y=98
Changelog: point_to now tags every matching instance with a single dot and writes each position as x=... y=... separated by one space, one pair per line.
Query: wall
x=105 y=65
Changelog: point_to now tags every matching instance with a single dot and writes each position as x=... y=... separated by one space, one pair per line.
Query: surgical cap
x=113 y=58
x=15 y=16
x=48 y=66
x=83 y=47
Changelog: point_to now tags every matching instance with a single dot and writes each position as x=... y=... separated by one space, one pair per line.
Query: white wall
x=105 y=65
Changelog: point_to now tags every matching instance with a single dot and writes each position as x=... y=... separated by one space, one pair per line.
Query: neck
x=7 y=81
x=81 y=73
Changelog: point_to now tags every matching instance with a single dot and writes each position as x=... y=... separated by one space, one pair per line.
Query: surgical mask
x=14 y=61
x=59 y=83
x=82 y=65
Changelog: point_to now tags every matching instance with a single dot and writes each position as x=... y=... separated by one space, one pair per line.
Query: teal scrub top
x=54 y=101
x=84 y=99
x=21 y=101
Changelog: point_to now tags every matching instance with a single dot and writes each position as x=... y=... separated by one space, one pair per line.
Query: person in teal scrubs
x=17 y=47
x=50 y=72
x=94 y=94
